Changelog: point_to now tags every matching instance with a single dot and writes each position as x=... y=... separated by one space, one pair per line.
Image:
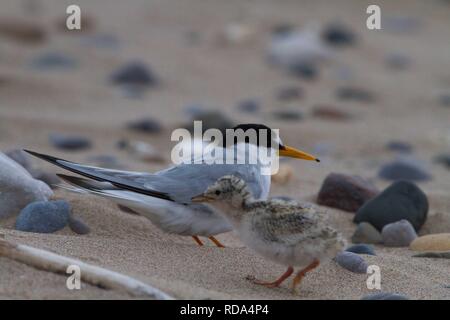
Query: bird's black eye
x=217 y=192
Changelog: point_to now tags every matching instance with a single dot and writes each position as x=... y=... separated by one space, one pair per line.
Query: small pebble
x=384 y=296
x=366 y=233
x=22 y=31
x=443 y=159
x=53 y=60
x=44 y=216
x=287 y=115
x=355 y=94
x=287 y=94
x=78 y=226
x=304 y=70
x=337 y=34
x=249 y=106
x=401 y=200
x=398 y=234
x=432 y=242
x=330 y=113
x=444 y=100
x=352 y=262
x=145 y=125
x=404 y=169
x=361 y=249
x=345 y=192
x=399 y=146
x=69 y=142
x=136 y=74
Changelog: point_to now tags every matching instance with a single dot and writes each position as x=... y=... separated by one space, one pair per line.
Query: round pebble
x=361 y=249
x=399 y=146
x=134 y=73
x=345 y=192
x=287 y=115
x=398 y=234
x=249 y=106
x=404 y=169
x=44 y=216
x=69 y=142
x=354 y=94
x=401 y=200
x=384 y=296
x=432 y=242
x=352 y=262
x=337 y=34
x=78 y=226
x=145 y=125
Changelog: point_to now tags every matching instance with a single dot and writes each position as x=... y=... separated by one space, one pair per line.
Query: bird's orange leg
x=197 y=239
x=216 y=242
x=277 y=282
x=298 y=278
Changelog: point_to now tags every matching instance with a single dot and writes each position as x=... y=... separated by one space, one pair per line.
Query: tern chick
x=285 y=232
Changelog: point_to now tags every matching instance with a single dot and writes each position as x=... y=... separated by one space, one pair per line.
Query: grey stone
x=44 y=216
x=433 y=254
x=69 y=142
x=355 y=94
x=401 y=200
x=399 y=146
x=289 y=93
x=384 y=296
x=352 y=262
x=145 y=125
x=398 y=234
x=404 y=169
x=53 y=60
x=443 y=159
x=361 y=249
x=249 y=106
x=78 y=226
x=337 y=34
x=135 y=73
x=288 y=115
x=366 y=233
x=18 y=188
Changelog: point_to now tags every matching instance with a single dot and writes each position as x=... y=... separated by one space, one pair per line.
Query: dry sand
x=33 y=104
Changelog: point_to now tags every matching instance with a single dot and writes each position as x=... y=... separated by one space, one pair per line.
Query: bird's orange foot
x=216 y=242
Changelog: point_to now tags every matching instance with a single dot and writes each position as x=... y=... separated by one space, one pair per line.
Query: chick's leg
x=298 y=278
x=277 y=282
x=216 y=242
x=197 y=239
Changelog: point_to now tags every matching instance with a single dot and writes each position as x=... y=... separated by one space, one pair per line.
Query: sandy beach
x=216 y=73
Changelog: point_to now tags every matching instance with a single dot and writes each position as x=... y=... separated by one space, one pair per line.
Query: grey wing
x=184 y=181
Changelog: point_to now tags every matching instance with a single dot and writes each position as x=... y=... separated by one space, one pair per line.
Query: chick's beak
x=286 y=151
x=201 y=198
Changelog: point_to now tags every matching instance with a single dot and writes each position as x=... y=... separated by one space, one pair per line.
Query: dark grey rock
x=397 y=61
x=384 y=296
x=355 y=94
x=443 y=159
x=337 y=34
x=366 y=233
x=304 y=70
x=44 y=216
x=78 y=226
x=249 y=105
x=361 y=249
x=145 y=125
x=352 y=262
x=398 y=234
x=401 y=200
x=287 y=115
x=135 y=73
x=69 y=142
x=404 y=169
x=53 y=60
x=289 y=93
x=21 y=157
x=399 y=146
x=345 y=192
x=444 y=100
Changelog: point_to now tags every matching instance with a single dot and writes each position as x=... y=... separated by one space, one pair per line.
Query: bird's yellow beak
x=295 y=153
x=201 y=198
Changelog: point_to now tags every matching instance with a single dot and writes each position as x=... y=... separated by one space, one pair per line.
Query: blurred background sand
x=212 y=71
